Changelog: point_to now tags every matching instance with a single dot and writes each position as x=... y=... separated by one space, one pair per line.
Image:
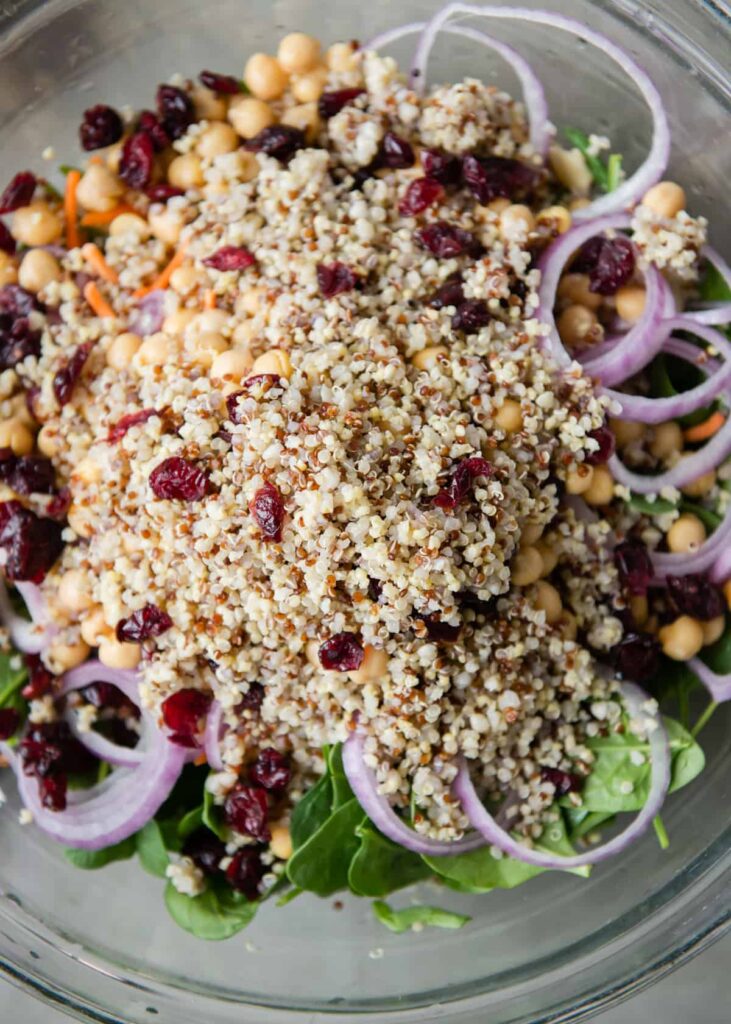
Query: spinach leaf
x=189 y=822
x=718 y=655
x=712 y=287
x=342 y=792
x=707 y=516
x=151 y=849
x=212 y=817
x=288 y=896
x=90 y=860
x=380 y=866
x=311 y=812
x=606 y=175
x=650 y=508
x=218 y=913
x=13 y=675
x=321 y=864
x=584 y=822
x=402 y=920
x=670 y=376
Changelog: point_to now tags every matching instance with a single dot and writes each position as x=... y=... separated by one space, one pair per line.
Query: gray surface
x=698 y=993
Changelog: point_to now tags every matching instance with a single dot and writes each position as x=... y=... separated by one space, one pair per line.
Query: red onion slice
x=717 y=313
x=29 y=637
x=721 y=568
x=363 y=783
x=481 y=818
x=667 y=563
x=149 y=314
x=212 y=737
x=104 y=749
x=651 y=170
x=719 y=687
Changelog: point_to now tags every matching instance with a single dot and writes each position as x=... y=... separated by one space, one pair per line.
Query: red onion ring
x=721 y=568
x=719 y=687
x=28 y=637
x=651 y=170
x=212 y=736
x=668 y=563
x=659 y=785
x=717 y=313
x=363 y=783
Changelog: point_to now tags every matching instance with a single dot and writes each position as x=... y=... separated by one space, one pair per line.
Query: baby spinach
x=13 y=675
x=311 y=812
x=670 y=376
x=189 y=822
x=151 y=849
x=321 y=864
x=713 y=287
x=212 y=816
x=718 y=655
x=380 y=866
x=402 y=920
x=581 y=822
x=90 y=860
x=650 y=508
x=216 y=914
x=606 y=175
x=342 y=792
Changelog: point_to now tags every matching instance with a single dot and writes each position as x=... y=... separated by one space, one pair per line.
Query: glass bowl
x=100 y=944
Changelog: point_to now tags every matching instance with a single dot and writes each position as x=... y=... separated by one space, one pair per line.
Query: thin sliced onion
x=720 y=312
x=651 y=170
x=481 y=818
x=29 y=637
x=534 y=97
x=103 y=748
x=721 y=568
x=363 y=783
x=719 y=687
x=212 y=736
x=675 y=564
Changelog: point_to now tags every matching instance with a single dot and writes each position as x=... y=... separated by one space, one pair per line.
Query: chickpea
x=526 y=568
x=548 y=600
x=373 y=666
x=281 y=841
x=701 y=486
x=276 y=360
x=74 y=592
x=516 y=221
x=626 y=432
x=310 y=87
x=249 y=116
x=578 y=326
x=686 y=534
x=666 y=199
x=205 y=348
x=120 y=352
x=113 y=156
x=62 y=657
x=186 y=278
x=601 y=489
x=305 y=117
x=130 y=224
x=177 y=322
x=556 y=217
x=185 y=172
x=79 y=521
x=231 y=366
x=639 y=608
x=497 y=205
x=216 y=140
x=429 y=357
x=94 y=627
x=36 y=224
x=88 y=471
x=155 y=350
x=630 y=300
x=509 y=417
x=570 y=168
x=681 y=639
x=38 y=269
x=579 y=479
x=21 y=412
x=209 y=105
x=568 y=626
x=165 y=224
x=579 y=204
x=8 y=269
x=245 y=332
x=114 y=654
x=549 y=554
x=312 y=654
x=48 y=440
x=342 y=57
x=298 y=53
x=248 y=165
x=666 y=440
x=727 y=593
x=530 y=534
x=99 y=189
x=713 y=630
x=17 y=436
x=211 y=320
x=574 y=290
x=265 y=77
x=250 y=301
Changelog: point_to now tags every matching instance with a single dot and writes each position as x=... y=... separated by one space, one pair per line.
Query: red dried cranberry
x=335 y=278
x=178 y=479
x=205 y=850
x=278 y=140
x=9 y=723
x=132 y=419
x=636 y=656
x=245 y=872
x=395 y=152
x=52 y=790
x=7 y=242
x=451 y=293
x=342 y=652
x=57 y=508
x=31 y=544
x=143 y=624
x=563 y=782
x=695 y=595
x=420 y=194
x=26 y=474
x=19 y=192
x=267 y=509
x=106 y=695
x=447 y=240
x=609 y=262
x=271 y=770
x=230 y=257
x=39 y=757
x=331 y=103
x=471 y=316
x=162 y=192
x=137 y=161
x=17 y=302
x=183 y=712
x=66 y=378
x=176 y=110
x=227 y=85
x=375 y=589
x=461 y=481
x=253 y=698
x=605 y=439
x=246 y=810
x=102 y=126
x=151 y=125
x=441 y=166
x=496 y=177
x=634 y=565
x=40 y=679
x=441 y=631
x=50 y=748
x=17 y=342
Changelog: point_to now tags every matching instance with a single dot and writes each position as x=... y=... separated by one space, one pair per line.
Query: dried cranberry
x=634 y=565
x=253 y=698
x=451 y=293
x=66 y=378
x=278 y=140
x=441 y=166
x=205 y=850
x=375 y=589
x=461 y=481
x=496 y=177
x=137 y=160
x=227 y=85
x=7 y=242
x=176 y=110
x=636 y=656
x=152 y=126
x=695 y=595
x=471 y=316
x=143 y=624
x=26 y=474
x=267 y=509
x=609 y=262
x=178 y=479
x=605 y=439
x=563 y=782
x=9 y=723
x=40 y=679
x=335 y=278
x=19 y=192
x=106 y=695
x=183 y=712
x=17 y=341
x=441 y=631
x=395 y=152
x=246 y=810
x=245 y=872
x=342 y=652
x=39 y=757
x=50 y=748
x=419 y=196
x=52 y=790
x=271 y=770
x=331 y=103
x=230 y=257
x=17 y=302
x=132 y=419
x=162 y=192
x=447 y=240
x=31 y=544
x=102 y=126
x=58 y=507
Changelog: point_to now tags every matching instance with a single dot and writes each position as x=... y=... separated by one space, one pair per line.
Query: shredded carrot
x=200 y=759
x=96 y=300
x=163 y=278
x=702 y=431
x=93 y=256
x=97 y=219
x=71 y=208
x=95 y=160
x=209 y=299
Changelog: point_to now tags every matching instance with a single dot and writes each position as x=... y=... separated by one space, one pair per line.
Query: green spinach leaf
x=650 y=508
x=712 y=287
x=718 y=655
x=321 y=864
x=670 y=376
x=13 y=675
x=342 y=792
x=90 y=860
x=216 y=914
x=151 y=849
x=311 y=812
x=402 y=920
x=606 y=175
x=212 y=817
x=190 y=822
x=380 y=866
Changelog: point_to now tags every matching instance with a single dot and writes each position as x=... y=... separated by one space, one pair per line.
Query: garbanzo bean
x=155 y=350
x=699 y=487
x=8 y=269
x=120 y=352
x=185 y=172
x=548 y=553
x=341 y=57
x=630 y=300
x=185 y=278
x=265 y=77
x=305 y=116
x=48 y=440
x=79 y=520
x=626 y=432
x=530 y=534
x=276 y=360
x=526 y=567
x=298 y=53
x=130 y=224
x=556 y=217
x=429 y=356
x=205 y=348
x=727 y=593
x=574 y=290
x=36 y=224
x=509 y=417
x=686 y=534
x=99 y=189
x=548 y=600
x=373 y=666
x=570 y=168
x=177 y=322
x=578 y=326
x=62 y=657
x=579 y=479
x=250 y=300
x=231 y=366
x=165 y=224
x=281 y=841
x=516 y=221
x=114 y=654
x=568 y=625
x=16 y=435
x=88 y=471
x=249 y=115
x=216 y=140
x=310 y=87
x=666 y=199
x=681 y=639
x=38 y=269
x=74 y=592
x=601 y=489
x=94 y=627
x=209 y=105
x=713 y=630
x=666 y=440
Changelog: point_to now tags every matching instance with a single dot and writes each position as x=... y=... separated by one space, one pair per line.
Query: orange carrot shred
x=93 y=256
x=99 y=219
x=71 y=208
x=702 y=431
x=163 y=278
x=96 y=300
x=209 y=299
x=200 y=759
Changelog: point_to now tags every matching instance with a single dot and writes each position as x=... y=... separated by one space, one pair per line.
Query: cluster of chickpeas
x=536 y=559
